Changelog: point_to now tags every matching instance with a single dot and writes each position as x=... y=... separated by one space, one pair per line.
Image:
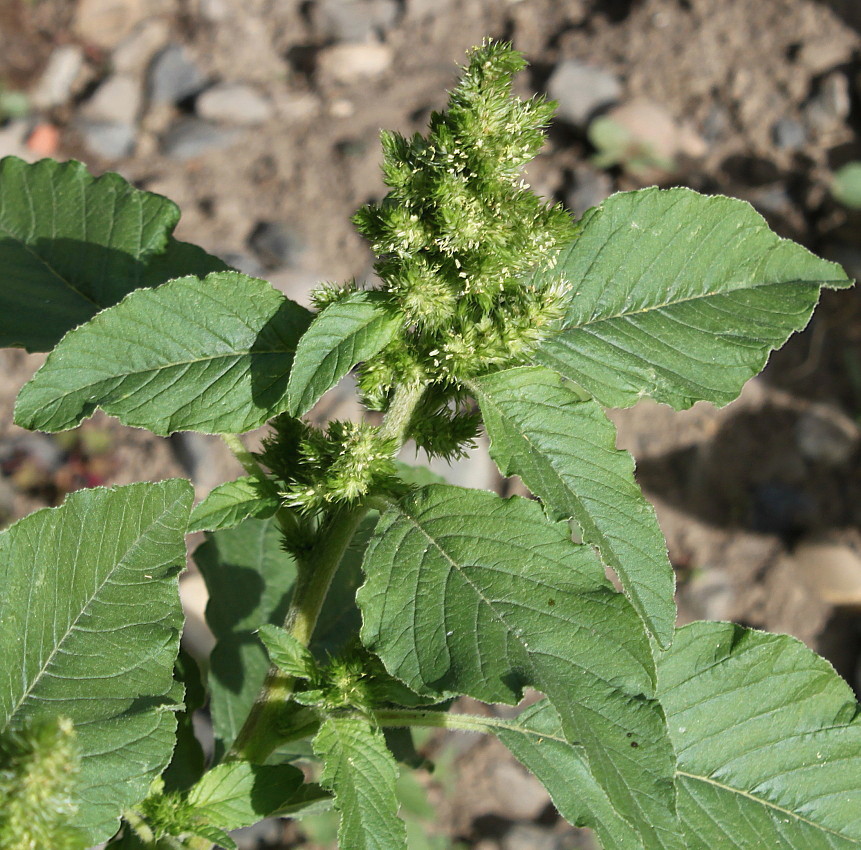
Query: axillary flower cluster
x=465 y=255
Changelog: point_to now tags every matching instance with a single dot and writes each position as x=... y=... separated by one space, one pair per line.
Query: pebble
x=650 y=123
x=830 y=105
x=581 y=90
x=191 y=137
x=173 y=76
x=788 y=134
x=276 y=245
x=244 y=263
x=58 y=80
x=234 y=103
x=350 y=63
x=105 y=23
x=134 y=53
x=827 y=436
x=13 y=139
x=353 y=20
x=117 y=99
x=527 y=836
x=107 y=139
x=589 y=188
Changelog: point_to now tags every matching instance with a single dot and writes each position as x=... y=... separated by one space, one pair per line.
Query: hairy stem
x=262 y=730
x=399 y=718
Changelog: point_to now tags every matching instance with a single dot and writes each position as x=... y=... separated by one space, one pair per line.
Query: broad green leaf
x=564 y=449
x=239 y=794
x=536 y=738
x=207 y=355
x=230 y=503
x=768 y=738
x=360 y=770
x=188 y=761
x=89 y=626
x=72 y=244
x=249 y=578
x=471 y=593
x=345 y=333
x=680 y=297
x=286 y=653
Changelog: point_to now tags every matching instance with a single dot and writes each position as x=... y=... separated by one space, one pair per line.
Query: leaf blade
x=679 y=297
x=209 y=355
x=564 y=449
x=228 y=504
x=98 y=641
x=345 y=333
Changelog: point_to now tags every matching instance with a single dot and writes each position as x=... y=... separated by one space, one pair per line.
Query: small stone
x=276 y=245
x=789 y=134
x=244 y=263
x=234 y=103
x=106 y=22
x=581 y=90
x=830 y=105
x=117 y=99
x=651 y=124
x=589 y=189
x=825 y=435
x=58 y=79
x=822 y=54
x=214 y=11
x=516 y=792
x=351 y=63
x=716 y=124
x=134 y=53
x=190 y=137
x=107 y=139
x=353 y=20
x=527 y=836
x=173 y=76
x=13 y=139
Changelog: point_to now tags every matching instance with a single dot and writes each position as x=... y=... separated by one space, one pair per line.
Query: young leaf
x=286 y=653
x=207 y=355
x=72 y=244
x=249 y=578
x=347 y=332
x=471 y=593
x=239 y=794
x=537 y=740
x=230 y=503
x=564 y=449
x=680 y=297
x=89 y=625
x=362 y=772
x=768 y=738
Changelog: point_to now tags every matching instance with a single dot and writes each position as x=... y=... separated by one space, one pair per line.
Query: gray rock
x=117 y=99
x=825 y=435
x=244 y=263
x=590 y=187
x=107 y=139
x=13 y=139
x=527 y=836
x=190 y=137
x=581 y=90
x=789 y=134
x=353 y=20
x=351 y=63
x=276 y=244
x=173 y=76
x=134 y=53
x=234 y=103
x=830 y=105
x=58 y=79
x=716 y=124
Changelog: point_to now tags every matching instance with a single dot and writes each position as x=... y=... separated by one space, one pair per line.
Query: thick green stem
x=398 y=718
x=263 y=728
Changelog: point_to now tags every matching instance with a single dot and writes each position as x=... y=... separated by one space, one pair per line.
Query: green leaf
x=471 y=593
x=537 y=739
x=188 y=761
x=228 y=504
x=89 y=626
x=207 y=355
x=353 y=329
x=564 y=449
x=768 y=738
x=249 y=578
x=286 y=653
x=72 y=244
x=679 y=297
x=362 y=772
x=239 y=794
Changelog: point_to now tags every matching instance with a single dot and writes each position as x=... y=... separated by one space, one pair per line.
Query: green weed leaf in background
x=564 y=449
x=228 y=504
x=361 y=772
x=345 y=333
x=450 y=565
x=72 y=244
x=679 y=297
x=89 y=625
x=207 y=355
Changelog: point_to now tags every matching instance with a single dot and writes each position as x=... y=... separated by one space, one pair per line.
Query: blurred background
x=260 y=118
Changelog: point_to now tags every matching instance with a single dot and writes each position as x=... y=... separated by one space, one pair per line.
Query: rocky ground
x=261 y=117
